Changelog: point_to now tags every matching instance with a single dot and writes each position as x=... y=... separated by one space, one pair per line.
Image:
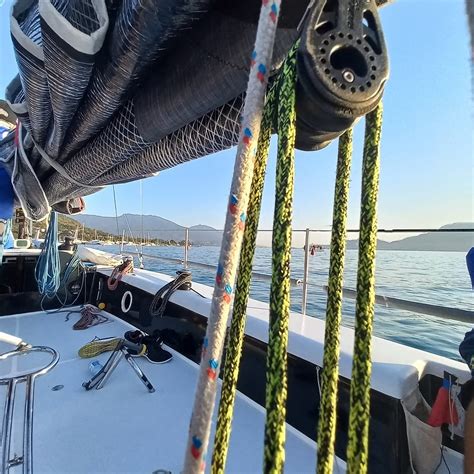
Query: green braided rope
x=327 y=417
x=357 y=448
x=236 y=332
x=276 y=388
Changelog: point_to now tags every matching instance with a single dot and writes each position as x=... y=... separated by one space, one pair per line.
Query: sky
x=427 y=140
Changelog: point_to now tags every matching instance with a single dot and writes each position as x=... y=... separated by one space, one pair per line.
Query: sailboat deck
x=122 y=427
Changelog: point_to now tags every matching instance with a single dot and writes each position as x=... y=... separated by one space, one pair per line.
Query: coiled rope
x=244 y=275
x=4 y=237
x=74 y=265
x=90 y=316
x=328 y=405
x=230 y=248
x=118 y=272
x=48 y=266
x=357 y=448
x=162 y=296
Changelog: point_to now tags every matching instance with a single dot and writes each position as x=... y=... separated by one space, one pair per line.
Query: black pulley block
x=342 y=69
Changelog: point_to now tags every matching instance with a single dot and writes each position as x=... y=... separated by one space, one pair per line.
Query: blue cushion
x=7 y=195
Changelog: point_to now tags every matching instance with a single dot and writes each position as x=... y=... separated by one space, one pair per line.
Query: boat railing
x=444 y=312
x=190 y=263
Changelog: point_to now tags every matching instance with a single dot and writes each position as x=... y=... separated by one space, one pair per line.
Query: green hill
x=67 y=226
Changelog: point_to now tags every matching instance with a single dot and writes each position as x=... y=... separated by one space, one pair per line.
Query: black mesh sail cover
x=110 y=91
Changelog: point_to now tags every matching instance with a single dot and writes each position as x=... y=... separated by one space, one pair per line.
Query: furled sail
x=110 y=91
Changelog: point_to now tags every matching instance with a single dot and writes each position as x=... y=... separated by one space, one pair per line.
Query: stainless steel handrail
x=29 y=378
x=305 y=273
x=186 y=248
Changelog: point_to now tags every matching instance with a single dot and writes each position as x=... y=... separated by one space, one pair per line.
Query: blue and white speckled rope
x=48 y=266
x=232 y=239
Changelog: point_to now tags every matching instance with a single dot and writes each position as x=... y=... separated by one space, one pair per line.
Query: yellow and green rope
x=283 y=93
x=330 y=375
x=282 y=98
x=276 y=387
x=358 y=444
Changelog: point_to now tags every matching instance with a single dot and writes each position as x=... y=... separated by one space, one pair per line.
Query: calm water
x=429 y=277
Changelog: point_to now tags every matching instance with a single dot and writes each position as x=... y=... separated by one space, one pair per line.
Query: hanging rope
x=118 y=273
x=327 y=409
x=231 y=242
x=276 y=388
x=48 y=266
x=239 y=313
x=4 y=237
x=160 y=300
x=357 y=448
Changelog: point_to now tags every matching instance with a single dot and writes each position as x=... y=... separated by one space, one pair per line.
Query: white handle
x=9 y=339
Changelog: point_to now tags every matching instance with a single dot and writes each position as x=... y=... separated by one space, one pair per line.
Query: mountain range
x=430 y=241
x=159 y=228
x=154 y=227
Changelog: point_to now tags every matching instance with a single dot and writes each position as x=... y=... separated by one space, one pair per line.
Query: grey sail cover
x=110 y=91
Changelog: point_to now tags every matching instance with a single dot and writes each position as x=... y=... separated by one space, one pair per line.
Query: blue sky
x=427 y=156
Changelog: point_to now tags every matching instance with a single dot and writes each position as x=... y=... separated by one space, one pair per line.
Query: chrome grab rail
x=11 y=382
x=304 y=297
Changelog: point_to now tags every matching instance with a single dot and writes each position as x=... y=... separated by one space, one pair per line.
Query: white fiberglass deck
x=122 y=427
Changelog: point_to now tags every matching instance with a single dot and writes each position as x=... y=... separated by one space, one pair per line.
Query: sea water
x=438 y=278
